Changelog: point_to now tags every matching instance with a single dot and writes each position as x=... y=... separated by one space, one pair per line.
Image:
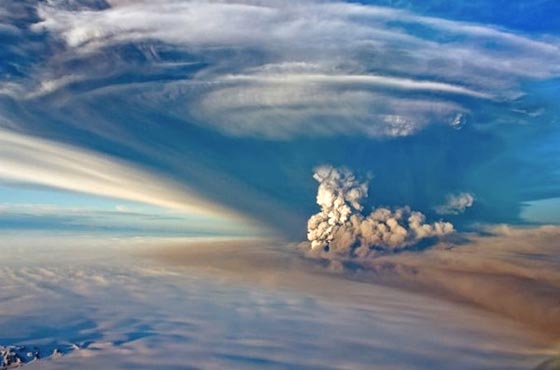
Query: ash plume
x=341 y=229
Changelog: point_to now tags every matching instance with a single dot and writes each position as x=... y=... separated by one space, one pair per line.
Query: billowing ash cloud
x=455 y=204
x=341 y=229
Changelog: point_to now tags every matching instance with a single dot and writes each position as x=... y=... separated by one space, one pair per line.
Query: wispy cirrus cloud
x=274 y=70
x=180 y=85
x=31 y=160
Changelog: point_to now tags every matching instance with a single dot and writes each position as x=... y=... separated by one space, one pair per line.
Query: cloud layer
x=285 y=69
x=31 y=160
x=248 y=308
x=340 y=230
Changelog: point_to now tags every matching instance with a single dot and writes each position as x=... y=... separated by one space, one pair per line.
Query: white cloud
x=47 y=86
x=360 y=80
x=456 y=204
x=32 y=160
x=288 y=68
x=314 y=109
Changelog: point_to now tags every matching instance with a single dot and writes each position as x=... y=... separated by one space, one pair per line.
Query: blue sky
x=189 y=118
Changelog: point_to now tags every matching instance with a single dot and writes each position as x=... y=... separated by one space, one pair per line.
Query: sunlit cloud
x=455 y=204
x=345 y=67
x=31 y=160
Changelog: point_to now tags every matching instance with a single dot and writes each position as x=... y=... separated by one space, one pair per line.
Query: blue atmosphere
x=431 y=98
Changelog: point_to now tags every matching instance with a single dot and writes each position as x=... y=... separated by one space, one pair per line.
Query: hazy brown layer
x=266 y=262
x=514 y=273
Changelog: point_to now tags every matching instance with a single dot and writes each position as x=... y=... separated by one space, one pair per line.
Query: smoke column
x=341 y=230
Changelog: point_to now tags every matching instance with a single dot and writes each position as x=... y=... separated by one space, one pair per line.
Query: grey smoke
x=341 y=230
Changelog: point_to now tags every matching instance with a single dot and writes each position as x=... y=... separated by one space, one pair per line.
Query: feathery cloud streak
x=289 y=69
x=42 y=162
